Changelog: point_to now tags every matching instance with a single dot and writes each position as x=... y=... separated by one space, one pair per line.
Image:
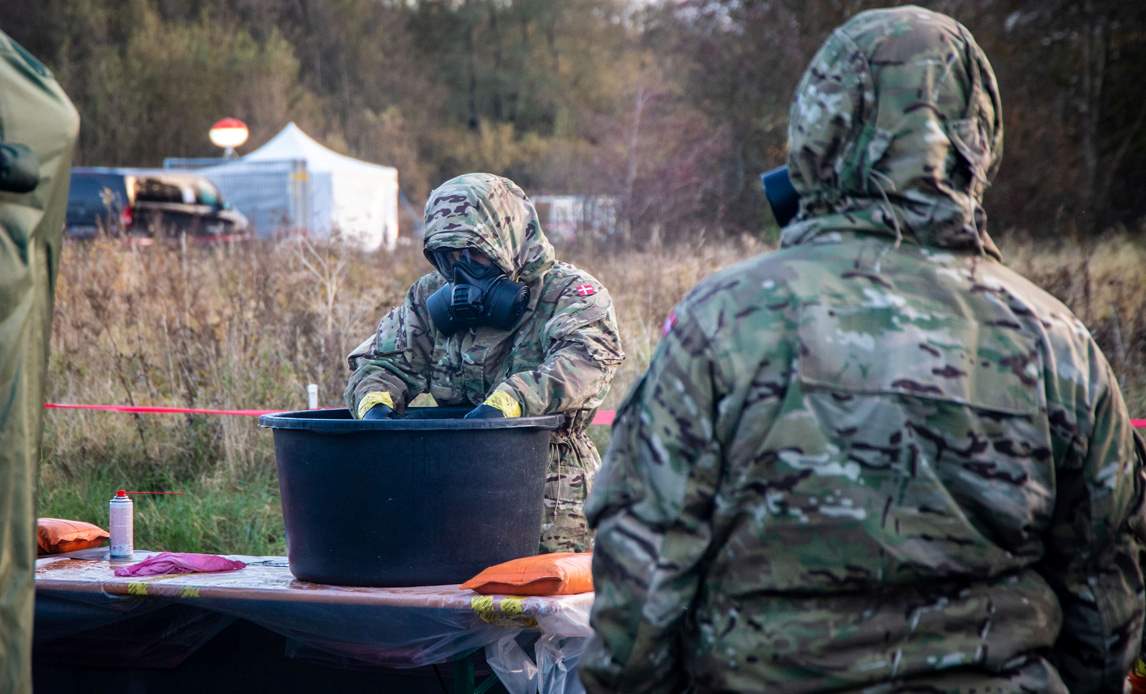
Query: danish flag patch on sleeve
x=585 y=289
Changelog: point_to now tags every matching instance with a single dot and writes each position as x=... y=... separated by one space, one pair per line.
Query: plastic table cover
x=394 y=627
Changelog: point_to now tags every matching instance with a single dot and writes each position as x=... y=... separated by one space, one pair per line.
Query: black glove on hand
x=484 y=411
x=378 y=412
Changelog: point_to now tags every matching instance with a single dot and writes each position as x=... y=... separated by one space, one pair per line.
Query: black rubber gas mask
x=479 y=295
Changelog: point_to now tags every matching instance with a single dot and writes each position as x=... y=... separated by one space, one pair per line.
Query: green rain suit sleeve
x=38 y=129
x=1092 y=558
x=584 y=350
x=398 y=360
x=652 y=509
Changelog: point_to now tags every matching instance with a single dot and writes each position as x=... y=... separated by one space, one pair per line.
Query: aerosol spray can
x=121 y=526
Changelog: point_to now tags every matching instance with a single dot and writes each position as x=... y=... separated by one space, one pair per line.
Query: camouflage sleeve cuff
x=504 y=402
x=375 y=397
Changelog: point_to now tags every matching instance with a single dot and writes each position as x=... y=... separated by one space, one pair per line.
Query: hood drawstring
x=874 y=177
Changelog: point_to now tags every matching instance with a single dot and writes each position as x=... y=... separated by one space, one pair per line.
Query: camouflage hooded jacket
x=876 y=457
x=560 y=358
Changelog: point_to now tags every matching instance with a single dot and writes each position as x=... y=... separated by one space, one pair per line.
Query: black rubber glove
x=484 y=411
x=378 y=412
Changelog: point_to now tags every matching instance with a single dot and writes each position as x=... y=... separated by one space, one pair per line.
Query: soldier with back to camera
x=876 y=458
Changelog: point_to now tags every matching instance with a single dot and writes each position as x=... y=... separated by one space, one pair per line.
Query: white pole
x=312 y=396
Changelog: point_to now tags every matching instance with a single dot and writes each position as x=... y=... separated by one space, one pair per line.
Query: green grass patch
x=208 y=517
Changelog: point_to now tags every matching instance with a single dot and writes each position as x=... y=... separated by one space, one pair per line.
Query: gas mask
x=479 y=295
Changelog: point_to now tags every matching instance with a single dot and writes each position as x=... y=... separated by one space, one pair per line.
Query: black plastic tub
x=428 y=499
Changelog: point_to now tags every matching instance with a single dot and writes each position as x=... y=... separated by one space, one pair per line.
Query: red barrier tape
x=131 y=409
x=604 y=417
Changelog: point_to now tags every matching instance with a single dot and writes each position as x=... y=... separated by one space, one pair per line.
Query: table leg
x=463 y=675
x=465 y=679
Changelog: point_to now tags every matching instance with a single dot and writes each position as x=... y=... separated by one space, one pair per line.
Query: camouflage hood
x=896 y=129
x=493 y=215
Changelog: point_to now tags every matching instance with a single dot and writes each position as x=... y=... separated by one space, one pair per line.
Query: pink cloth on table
x=180 y=563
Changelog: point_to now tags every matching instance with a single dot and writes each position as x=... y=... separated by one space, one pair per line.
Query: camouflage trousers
x=573 y=461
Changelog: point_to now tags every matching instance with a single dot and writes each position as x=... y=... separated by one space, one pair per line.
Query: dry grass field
x=250 y=326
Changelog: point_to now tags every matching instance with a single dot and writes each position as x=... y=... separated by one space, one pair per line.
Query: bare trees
x=673 y=108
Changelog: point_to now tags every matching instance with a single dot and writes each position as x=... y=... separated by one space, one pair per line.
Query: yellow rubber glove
x=504 y=403
x=374 y=397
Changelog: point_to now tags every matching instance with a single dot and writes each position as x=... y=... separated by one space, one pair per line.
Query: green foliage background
x=674 y=107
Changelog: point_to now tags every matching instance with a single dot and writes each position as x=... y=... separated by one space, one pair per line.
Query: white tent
x=294 y=183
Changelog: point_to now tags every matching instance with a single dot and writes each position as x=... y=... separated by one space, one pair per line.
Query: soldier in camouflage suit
x=876 y=457
x=560 y=357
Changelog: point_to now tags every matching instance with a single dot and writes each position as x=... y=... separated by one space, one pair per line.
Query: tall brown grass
x=1103 y=280
x=249 y=326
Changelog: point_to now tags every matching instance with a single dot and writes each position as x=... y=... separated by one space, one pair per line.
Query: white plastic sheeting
x=292 y=183
x=552 y=669
x=78 y=593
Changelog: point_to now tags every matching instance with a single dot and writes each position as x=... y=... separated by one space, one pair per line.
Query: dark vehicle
x=150 y=203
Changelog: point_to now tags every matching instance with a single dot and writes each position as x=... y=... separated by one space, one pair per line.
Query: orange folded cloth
x=560 y=573
x=57 y=535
